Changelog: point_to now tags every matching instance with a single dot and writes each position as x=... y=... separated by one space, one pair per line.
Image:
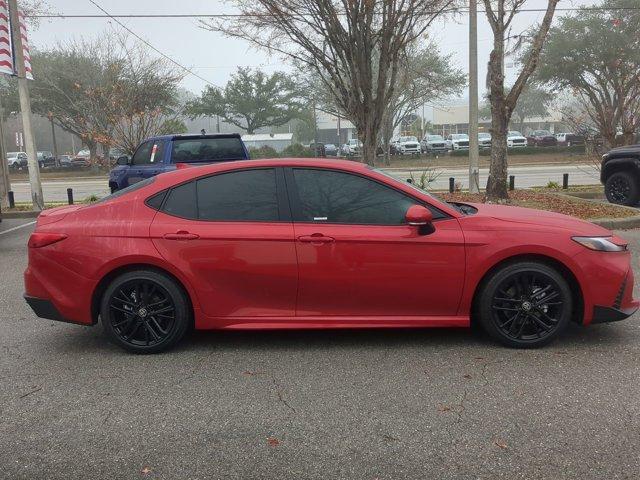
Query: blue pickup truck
x=161 y=154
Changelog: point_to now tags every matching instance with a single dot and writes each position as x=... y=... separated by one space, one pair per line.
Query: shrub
x=552 y=184
x=262 y=152
x=297 y=150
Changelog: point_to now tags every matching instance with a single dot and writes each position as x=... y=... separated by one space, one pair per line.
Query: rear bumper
x=45 y=308
x=611 y=314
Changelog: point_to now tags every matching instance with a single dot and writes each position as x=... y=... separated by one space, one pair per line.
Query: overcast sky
x=215 y=57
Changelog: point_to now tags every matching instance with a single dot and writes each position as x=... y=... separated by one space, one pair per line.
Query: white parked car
x=17 y=160
x=458 y=141
x=484 y=140
x=516 y=139
x=434 y=144
x=408 y=145
x=352 y=148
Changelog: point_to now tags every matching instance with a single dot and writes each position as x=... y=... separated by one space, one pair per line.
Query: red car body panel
x=307 y=275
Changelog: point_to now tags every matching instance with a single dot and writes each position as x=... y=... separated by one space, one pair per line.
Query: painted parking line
x=16 y=228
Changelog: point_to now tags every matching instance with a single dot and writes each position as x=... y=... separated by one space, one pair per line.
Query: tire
x=525 y=305
x=622 y=188
x=156 y=323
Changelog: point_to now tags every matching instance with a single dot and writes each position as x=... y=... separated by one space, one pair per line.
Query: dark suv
x=161 y=154
x=620 y=174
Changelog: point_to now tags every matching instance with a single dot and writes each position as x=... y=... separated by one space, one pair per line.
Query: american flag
x=6 y=49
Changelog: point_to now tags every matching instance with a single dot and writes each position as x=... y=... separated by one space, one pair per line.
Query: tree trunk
x=497 y=182
x=500 y=117
x=628 y=138
x=93 y=152
x=106 y=152
x=369 y=145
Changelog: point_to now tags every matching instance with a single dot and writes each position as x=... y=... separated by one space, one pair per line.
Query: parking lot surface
x=384 y=404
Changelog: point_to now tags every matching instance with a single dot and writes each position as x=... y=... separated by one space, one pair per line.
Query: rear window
x=207 y=149
x=129 y=189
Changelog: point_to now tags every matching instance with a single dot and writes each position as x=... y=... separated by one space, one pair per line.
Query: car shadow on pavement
x=92 y=340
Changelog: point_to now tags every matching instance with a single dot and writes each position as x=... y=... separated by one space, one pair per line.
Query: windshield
x=459 y=136
x=408 y=139
x=514 y=134
x=484 y=135
x=541 y=133
x=434 y=137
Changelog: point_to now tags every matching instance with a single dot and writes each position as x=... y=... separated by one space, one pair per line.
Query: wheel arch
x=616 y=165
x=577 y=294
x=104 y=282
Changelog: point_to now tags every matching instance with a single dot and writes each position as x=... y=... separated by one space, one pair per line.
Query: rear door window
x=149 y=153
x=248 y=195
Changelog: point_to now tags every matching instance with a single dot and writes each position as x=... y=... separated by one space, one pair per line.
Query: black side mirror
x=124 y=160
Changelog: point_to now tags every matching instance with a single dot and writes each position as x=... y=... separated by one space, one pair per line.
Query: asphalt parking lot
x=296 y=405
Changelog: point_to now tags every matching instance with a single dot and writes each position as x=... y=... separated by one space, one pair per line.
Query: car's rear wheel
x=622 y=188
x=144 y=311
x=525 y=305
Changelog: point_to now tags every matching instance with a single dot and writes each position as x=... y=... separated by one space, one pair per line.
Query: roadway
x=526 y=176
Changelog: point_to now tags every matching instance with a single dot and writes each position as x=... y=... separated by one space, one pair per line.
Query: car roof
x=193 y=136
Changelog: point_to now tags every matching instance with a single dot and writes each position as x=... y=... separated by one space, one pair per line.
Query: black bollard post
x=512 y=182
x=452 y=184
x=565 y=181
x=12 y=200
x=70 y=196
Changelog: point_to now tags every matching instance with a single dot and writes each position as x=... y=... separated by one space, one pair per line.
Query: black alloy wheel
x=622 y=188
x=144 y=312
x=525 y=305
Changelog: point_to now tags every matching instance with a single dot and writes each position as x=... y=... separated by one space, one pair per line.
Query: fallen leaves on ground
x=551 y=202
x=500 y=444
x=273 y=442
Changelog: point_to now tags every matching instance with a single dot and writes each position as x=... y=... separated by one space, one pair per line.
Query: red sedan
x=309 y=243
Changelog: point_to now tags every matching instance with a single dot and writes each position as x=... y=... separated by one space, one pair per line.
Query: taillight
x=42 y=239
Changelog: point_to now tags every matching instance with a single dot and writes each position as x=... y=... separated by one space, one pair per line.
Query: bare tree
x=146 y=99
x=424 y=75
x=603 y=75
x=500 y=14
x=355 y=46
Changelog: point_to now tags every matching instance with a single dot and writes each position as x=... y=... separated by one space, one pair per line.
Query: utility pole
x=25 y=108
x=5 y=184
x=53 y=136
x=474 y=151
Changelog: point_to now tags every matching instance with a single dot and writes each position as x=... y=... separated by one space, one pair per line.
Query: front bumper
x=611 y=314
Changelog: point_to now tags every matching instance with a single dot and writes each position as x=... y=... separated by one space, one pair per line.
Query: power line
x=244 y=15
x=188 y=70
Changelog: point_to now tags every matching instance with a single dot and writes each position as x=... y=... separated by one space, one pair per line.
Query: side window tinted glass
x=336 y=197
x=148 y=153
x=248 y=195
x=182 y=201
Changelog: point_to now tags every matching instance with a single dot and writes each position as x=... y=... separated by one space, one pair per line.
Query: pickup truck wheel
x=622 y=188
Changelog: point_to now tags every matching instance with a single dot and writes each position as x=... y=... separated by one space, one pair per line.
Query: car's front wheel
x=622 y=188
x=145 y=311
x=525 y=304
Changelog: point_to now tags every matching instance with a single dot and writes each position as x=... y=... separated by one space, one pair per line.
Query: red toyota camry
x=317 y=244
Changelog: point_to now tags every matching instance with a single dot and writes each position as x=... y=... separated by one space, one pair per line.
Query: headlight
x=600 y=244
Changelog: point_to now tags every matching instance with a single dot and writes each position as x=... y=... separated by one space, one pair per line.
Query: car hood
x=627 y=149
x=543 y=218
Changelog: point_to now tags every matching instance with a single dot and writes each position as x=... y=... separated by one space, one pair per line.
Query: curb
x=20 y=214
x=618 y=223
